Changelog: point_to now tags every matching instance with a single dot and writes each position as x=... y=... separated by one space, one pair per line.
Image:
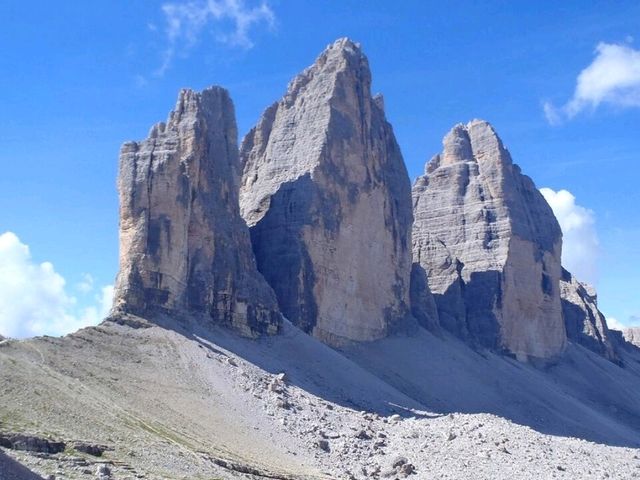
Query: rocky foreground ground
x=161 y=403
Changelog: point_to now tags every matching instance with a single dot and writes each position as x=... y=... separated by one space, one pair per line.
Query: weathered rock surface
x=30 y=443
x=490 y=246
x=632 y=335
x=585 y=324
x=183 y=243
x=327 y=197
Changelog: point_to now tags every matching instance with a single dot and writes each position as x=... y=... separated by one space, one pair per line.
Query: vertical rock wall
x=183 y=244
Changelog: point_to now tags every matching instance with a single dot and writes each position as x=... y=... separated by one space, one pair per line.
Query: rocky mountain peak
x=327 y=196
x=183 y=246
x=477 y=142
x=490 y=246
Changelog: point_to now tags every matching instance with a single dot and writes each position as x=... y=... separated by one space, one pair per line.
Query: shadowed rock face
x=490 y=246
x=585 y=324
x=183 y=243
x=327 y=197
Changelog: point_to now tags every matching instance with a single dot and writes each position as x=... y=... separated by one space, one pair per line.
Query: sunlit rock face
x=490 y=246
x=585 y=324
x=632 y=335
x=183 y=245
x=328 y=200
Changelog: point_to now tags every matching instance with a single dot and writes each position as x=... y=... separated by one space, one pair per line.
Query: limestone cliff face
x=490 y=246
x=327 y=197
x=183 y=244
x=632 y=335
x=585 y=324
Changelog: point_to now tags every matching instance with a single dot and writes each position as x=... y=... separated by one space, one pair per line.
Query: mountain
x=490 y=246
x=461 y=350
x=183 y=245
x=327 y=197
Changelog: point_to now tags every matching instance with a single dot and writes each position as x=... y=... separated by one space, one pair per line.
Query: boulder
x=184 y=248
x=490 y=246
x=327 y=197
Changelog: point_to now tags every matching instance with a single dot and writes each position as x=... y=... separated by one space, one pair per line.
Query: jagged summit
x=164 y=390
x=327 y=196
x=183 y=246
x=490 y=246
x=469 y=143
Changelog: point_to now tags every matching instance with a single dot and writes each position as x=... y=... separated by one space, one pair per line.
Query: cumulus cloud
x=580 y=246
x=232 y=19
x=34 y=299
x=613 y=78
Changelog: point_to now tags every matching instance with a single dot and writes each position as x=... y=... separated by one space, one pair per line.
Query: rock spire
x=490 y=246
x=183 y=244
x=327 y=197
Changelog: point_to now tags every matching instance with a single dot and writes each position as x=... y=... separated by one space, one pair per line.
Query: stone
x=31 y=443
x=399 y=461
x=90 y=448
x=103 y=471
x=490 y=247
x=184 y=248
x=327 y=197
x=585 y=324
x=323 y=445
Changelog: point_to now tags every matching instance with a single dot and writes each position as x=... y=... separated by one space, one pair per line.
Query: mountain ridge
x=393 y=363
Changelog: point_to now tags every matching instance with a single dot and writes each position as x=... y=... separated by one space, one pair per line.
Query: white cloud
x=86 y=285
x=186 y=21
x=613 y=78
x=33 y=298
x=580 y=246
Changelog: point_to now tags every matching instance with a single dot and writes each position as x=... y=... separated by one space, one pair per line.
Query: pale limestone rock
x=327 y=197
x=183 y=244
x=490 y=246
x=585 y=324
x=632 y=335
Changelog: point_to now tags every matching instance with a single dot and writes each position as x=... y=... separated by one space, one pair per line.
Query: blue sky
x=79 y=78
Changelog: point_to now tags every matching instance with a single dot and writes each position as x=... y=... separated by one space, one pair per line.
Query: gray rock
x=490 y=246
x=323 y=445
x=30 y=443
x=632 y=335
x=585 y=324
x=103 y=471
x=90 y=448
x=327 y=197
x=183 y=245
